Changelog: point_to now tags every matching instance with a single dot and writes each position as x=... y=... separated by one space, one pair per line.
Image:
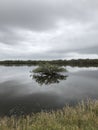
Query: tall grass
x=84 y=116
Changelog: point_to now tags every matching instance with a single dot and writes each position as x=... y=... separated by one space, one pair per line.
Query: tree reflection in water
x=48 y=74
x=49 y=79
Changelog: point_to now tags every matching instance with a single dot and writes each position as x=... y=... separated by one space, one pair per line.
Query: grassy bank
x=84 y=116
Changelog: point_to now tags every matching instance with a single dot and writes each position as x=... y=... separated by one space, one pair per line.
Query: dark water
x=20 y=94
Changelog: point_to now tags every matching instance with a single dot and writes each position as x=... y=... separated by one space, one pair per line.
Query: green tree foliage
x=49 y=69
x=48 y=74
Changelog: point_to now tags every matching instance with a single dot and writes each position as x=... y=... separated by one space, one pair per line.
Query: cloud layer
x=48 y=29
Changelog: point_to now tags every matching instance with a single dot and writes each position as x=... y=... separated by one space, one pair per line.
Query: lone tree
x=49 y=69
x=48 y=73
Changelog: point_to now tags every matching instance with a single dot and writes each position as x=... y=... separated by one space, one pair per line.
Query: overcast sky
x=48 y=29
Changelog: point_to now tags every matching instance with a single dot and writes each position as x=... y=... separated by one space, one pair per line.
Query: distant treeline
x=73 y=62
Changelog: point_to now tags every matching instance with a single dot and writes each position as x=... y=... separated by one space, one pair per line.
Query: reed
x=83 y=116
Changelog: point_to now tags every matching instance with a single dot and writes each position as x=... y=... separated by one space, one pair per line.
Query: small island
x=49 y=74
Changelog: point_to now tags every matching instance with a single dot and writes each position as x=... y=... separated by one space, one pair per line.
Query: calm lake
x=20 y=93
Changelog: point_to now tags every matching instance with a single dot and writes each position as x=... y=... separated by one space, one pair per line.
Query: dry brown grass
x=84 y=116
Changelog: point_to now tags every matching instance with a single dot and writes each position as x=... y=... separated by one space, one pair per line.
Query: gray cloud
x=48 y=29
x=90 y=50
x=40 y=15
x=9 y=36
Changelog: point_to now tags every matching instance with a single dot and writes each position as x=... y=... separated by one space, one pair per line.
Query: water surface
x=21 y=94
